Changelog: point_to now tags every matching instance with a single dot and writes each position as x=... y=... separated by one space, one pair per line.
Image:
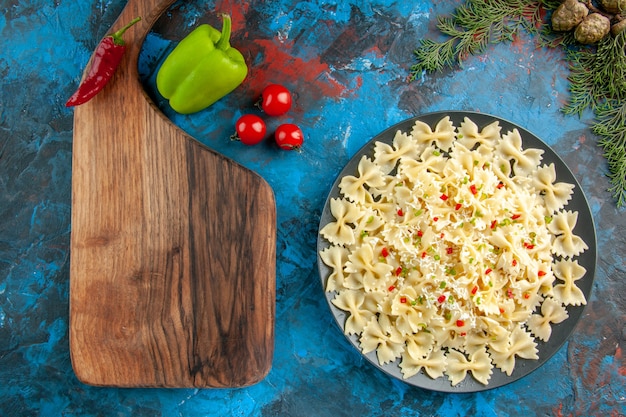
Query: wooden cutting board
x=172 y=276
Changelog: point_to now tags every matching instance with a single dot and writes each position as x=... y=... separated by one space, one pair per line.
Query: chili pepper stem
x=224 y=42
x=117 y=36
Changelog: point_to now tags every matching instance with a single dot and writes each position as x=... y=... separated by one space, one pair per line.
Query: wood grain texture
x=172 y=276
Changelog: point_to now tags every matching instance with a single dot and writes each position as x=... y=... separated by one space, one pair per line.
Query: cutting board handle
x=172 y=252
x=149 y=11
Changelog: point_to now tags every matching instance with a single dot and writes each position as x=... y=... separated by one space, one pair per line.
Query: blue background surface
x=347 y=63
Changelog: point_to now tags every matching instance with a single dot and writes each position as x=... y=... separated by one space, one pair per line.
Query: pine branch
x=598 y=82
x=472 y=27
x=611 y=127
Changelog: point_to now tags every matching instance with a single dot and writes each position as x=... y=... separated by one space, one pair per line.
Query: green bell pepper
x=201 y=69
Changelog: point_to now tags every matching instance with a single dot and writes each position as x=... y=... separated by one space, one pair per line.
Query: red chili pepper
x=443 y=197
x=420 y=233
x=423 y=254
x=392 y=287
x=403 y=300
x=474 y=290
x=400 y=212
x=460 y=323
x=516 y=216
x=473 y=189
x=398 y=271
x=458 y=206
x=106 y=58
x=500 y=185
x=488 y=271
x=514 y=262
x=541 y=273
x=526 y=295
x=450 y=250
x=494 y=224
x=435 y=219
x=384 y=252
x=441 y=299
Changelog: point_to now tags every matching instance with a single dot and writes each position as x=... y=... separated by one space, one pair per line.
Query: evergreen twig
x=472 y=27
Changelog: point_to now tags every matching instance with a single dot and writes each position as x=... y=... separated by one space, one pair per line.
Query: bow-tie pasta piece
x=355 y=188
x=365 y=271
x=419 y=345
x=434 y=364
x=555 y=194
x=387 y=157
x=524 y=160
x=567 y=292
x=478 y=363
x=552 y=311
x=335 y=257
x=521 y=344
x=352 y=302
x=566 y=243
x=470 y=136
x=345 y=213
x=388 y=344
x=442 y=136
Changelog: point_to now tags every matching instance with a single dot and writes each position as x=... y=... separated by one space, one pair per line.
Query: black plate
x=584 y=228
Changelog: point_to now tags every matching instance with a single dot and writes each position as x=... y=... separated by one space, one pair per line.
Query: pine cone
x=592 y=29
x=618 y=27
x=613 y=6
x=568 y=15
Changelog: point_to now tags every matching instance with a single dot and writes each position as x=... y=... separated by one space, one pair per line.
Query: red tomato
x=275 y=100
x=289 y=137
x=250 y=129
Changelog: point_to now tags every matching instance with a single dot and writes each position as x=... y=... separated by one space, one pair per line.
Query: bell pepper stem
x=117 y=36
x=224 y=42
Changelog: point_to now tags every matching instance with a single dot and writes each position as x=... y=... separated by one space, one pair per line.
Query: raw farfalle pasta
x=555 y=194
x=451 y=252
x=552 y=311
x=442 y=136
x=567 y=292
x=470 y=136
x=510 y=148
x=566 y=243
